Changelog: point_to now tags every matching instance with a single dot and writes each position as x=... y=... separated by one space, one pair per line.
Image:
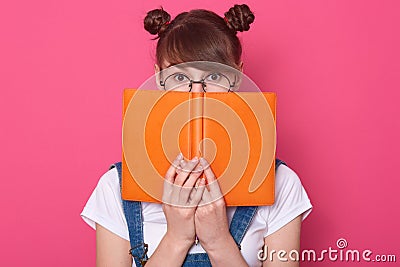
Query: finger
x=167 y=192
x=189 y=166
x=187 y=187
x=170 y=174
x=169 y=180
x=181 y=165
x=198 y=192
x=176 y=197
x=193 y=177
x=191 y=196
x=207 y=170
x=213 y=185
x=205 y=198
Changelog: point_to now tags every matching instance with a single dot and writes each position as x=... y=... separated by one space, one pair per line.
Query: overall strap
x=133 y=215
x=238 y=227
x=240 y=222
x=197 y=260
x=279 y=162
x=133 y=212
x=243 y=216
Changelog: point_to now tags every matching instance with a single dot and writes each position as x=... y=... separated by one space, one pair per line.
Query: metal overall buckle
x=142 y=258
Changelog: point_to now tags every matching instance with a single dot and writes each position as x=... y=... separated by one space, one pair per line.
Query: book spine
x=196 y=124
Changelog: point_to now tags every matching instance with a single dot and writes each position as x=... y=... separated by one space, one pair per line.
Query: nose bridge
x=197 y=87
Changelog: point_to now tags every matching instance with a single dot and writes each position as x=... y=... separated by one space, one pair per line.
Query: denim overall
x=133 y=212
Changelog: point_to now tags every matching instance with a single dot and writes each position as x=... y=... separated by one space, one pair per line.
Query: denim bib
x=133 y=212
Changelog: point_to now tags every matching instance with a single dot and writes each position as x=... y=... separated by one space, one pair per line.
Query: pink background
x=334 y=65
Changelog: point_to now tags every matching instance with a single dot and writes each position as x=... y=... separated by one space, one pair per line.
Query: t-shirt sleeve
x=291 y=200
x=105 y=206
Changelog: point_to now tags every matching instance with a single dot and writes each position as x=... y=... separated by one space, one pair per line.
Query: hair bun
x=156 y=21
x=239 y=18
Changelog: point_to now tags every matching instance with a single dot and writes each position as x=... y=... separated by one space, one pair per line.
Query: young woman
x=190 y=212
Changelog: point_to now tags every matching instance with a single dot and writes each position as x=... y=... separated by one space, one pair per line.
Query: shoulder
x=105 y=205
x=286 y=179
x=109 y=185
x=291 y=200
x=110 y=180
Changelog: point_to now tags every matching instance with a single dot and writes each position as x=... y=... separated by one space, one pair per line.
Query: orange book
x=234 y=131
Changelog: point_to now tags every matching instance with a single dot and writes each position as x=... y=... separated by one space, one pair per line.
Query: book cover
x=234 y=131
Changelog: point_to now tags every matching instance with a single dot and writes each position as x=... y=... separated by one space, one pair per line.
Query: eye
x=179 y=77
x=214 y=77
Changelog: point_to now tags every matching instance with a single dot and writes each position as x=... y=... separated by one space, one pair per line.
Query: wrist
x=171 y=252
x=225 y=251
x=223 y=242
x=181 y=244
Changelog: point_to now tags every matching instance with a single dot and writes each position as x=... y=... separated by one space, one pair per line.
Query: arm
x=212 y=225
x=170 y=252
x=226 y=255
x=287 y=239
x=181 y=194
x=111 y=250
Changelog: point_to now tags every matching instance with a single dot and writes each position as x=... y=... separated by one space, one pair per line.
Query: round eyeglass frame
x=202 y=81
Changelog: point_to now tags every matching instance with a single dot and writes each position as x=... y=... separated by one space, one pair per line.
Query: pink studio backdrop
x=334 y=65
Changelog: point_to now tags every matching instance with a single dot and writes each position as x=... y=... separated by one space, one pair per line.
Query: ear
x=157 y=75
x=156 y=68
x=241 y=66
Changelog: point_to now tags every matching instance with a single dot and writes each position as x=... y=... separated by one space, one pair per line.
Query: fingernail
x=203 y=162
x=180 y=156
x=198 y=169
x=194 y=159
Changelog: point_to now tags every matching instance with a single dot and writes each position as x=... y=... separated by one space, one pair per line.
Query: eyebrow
x=206 y=67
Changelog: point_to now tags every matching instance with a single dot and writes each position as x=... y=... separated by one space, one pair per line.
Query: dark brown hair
x=199 y=35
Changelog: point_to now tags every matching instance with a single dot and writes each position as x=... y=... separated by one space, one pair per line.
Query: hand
x=211 y=222
x=181 y=194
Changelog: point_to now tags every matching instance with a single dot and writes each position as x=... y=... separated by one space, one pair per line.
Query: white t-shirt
x=105 y=208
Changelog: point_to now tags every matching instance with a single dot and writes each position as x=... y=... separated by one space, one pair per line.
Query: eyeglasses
x=214 y=82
